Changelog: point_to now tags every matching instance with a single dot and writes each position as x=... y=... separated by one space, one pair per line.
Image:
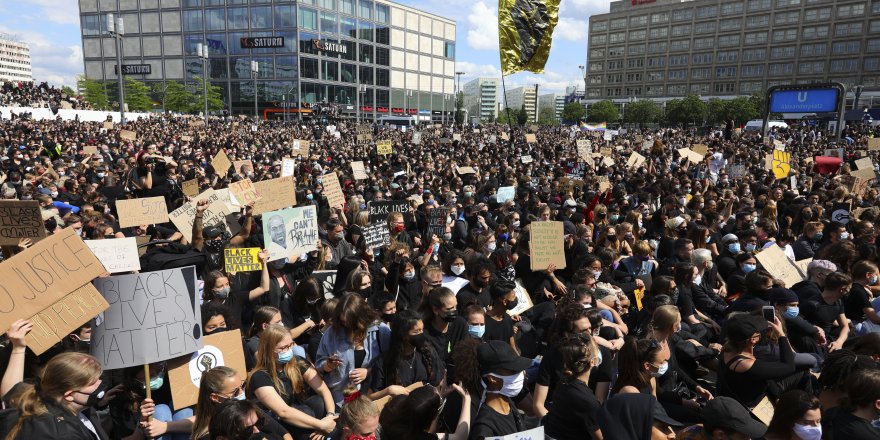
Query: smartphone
x=769 y=313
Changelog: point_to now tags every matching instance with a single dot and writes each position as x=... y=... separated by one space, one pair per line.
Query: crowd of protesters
x=663 y=324
x=30 y=94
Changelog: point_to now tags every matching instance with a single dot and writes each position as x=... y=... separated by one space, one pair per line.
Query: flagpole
x=507 y=109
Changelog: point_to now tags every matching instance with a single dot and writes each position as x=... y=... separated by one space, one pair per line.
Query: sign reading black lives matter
x=376 y=235
x=262 y=42
x=379 y=210
x=153 y=316
x=437 y=222
x=20 y=219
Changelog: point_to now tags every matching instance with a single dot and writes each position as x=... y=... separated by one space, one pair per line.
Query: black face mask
x=214 y=246
x=450 y=316
x=93 y=398
x=418 y=340
x=216 y=330
x=512 y=305
x=388 y=317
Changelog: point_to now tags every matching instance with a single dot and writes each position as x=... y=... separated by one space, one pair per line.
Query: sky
x=52 y=29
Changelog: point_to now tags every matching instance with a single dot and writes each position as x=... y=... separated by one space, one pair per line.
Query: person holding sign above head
x=130 y=411
x=289 y=388
x=217 y=288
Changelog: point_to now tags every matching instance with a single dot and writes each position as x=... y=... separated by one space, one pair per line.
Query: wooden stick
x=147 y=386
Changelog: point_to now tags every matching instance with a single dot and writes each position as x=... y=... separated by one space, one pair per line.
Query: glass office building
x=403 y=58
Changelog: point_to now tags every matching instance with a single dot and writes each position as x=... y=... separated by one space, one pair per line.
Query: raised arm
x=15 y=368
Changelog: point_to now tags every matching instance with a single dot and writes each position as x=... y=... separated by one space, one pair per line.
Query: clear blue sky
x=52 y=29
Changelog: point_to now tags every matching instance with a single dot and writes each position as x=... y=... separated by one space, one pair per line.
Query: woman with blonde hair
x=278 y=380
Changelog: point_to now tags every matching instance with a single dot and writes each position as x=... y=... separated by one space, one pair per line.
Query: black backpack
x=171 y=256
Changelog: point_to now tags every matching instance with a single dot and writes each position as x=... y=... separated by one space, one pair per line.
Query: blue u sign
x=803 y=101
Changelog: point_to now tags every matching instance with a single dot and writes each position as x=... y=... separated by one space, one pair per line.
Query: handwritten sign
x=437 y=219
x=526 y=159
x=197 y=123
x=244 y=192
x=242 y=259
x=531 y=138
x=118 y=255
x=383 y=147
x=221 y=163
x=376 y=235
x=358 y=171
x=456 y=137
x=545 y=245
x=242 y=166
x=20 y=219
x=277 y=194
x=290 y=232
x=90 y=149
x=55 y=322
x=865 y=163
x=364 y=138
x=153 y=317
x=635 y=160
x=300 y=147
x=216 y=213
x=504 y=194
x=379 y=210
x=701 y=149
x=190 y=187
x=417 y=138
x=108 y=125
x=874 y=144
x=465 y=170
x=774 y=261
x=145 y=211
x=288 y=166
x=335 y=197
x=128 y=135
x=185 y=372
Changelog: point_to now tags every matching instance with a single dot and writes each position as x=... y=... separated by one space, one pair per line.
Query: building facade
x=665 y=49
x=516 y=98
x=15 y=59
x=481 y=98
x=308 y=51
x=554 y=101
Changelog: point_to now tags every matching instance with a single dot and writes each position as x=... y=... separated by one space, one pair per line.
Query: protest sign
x=186 y=138
x=545 y=245
x=300 y=147
x=781 y=165
x=65 y=316
x=437 y=219
x=608 y=161
x=606 y=151
x=221 y=163
x=20 y=219
x=288 y=166
x=692 y=156
x=456 y=137
x=358 y=171
x=505 y=193
x=197 y=123
x=604 y=184
x=108 y=125
x=874 y=144
x=574 y=169
x=141 y=241
x=774 y=261
x=505 y=137
x=364 y=139
x=465 y=170
x=244 y=192
x=153 y=317
x=835 y=152
x=416 y=199
x=524 y=300
x=840 y=213
x=116 y=254
x=90 y=149
x=526 y=159
x=417 y=138
x=277 y=194
x=145 y=211
x=335 y=197
x=384 y=147
x=128 y=135
x=242 y=259
x=190 y=187
x=701 y=149
x=216 y=213
x=532 y=434
x=290 y=232
x=242 y=166
x=376 y=235
x=185 y=372
x=531 y=138
x=379 y=210
x=635 y=160
x=865 y=163
x=864 y=174
x=327 y=279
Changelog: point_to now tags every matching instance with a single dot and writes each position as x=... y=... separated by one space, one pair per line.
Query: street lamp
x=584 y=76
x=362 y=96
x=454 y=105
x=255 y=70
x=407 y=94
x=202 y=50
x=115 y=28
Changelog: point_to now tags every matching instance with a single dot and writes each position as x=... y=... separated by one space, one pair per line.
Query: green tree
x=642 y=112
x=215 y=99
x=93 y=92
x=507 y=116
x=177 y=97
x=547 y=116
x=523 y=116
x=603 y=111
x=573 y=112
x=716 y=111
x=137 y=96
x=741 y=110
x=459 y=104
x=68 y=91
x=690 y=110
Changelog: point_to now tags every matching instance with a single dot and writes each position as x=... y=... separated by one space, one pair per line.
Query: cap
x=821 y=264
x=781 y=295
x=212 y=232
x=726 y=413
x=571 y=203
x=742 y=326
x=494 y=355
x=661 y=415
x=674 y=222
x=728 y=238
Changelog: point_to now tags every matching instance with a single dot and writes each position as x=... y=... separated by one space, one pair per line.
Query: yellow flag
x=525 y=32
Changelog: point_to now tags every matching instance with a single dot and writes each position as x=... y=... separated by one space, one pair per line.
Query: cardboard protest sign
x=300 y=147
x=604 y=184
x=608 y=161
x=153 y=317
x=606 y=151
x=90 y=149
x=358 y=171
x=531 y=138
x=524 y=300
x=417 y=138
x=456 y=137
x=128 y=135
x=141 y=241
x=701 y=149
x=242 y=259
x=416 y=199
x=184 y=217
x=437 y=219
x=781 y=164
x=55 y=322
x=384 y=147
x=874 y=144
x=864 y=174
x=376 y=235
x=197 y=123
x=532 y=434
x=277 y=194
x=505 y=193
x=773 y=259
x=364 y=139
x=244 y=192
x=20 y=219
x=116 y=254
x=505 y=137
x=379 y=210
x=546 y=245
x=238 y=164
x=526 y=159
x=335 y=197
x=108 y=125
x=191 y=187
x=865 y=163
x=185 y=372
x=290 y=232
x=635 y=160
x=43 y=274
x=692 y=156
x=804 y=264
x=221 y=163
x=288 y=166
x=465 y=170
x=145 y=211
x=186 y=138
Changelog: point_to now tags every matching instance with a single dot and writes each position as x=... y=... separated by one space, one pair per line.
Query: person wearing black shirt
x=854 y=421
x=811 y=287
x=757 y=285
x=828 y=308
x=503 y=372
x=409 y=359
x=479 y=273
x=804 y=336
x=575 y=407
x=857 y=305
x=443 y=327
x=499 y=325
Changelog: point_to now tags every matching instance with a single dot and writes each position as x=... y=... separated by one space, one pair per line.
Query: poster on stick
x=20 y=219
x=545 y=245
x=153 y=317
x=290 y=232
x=185 y=372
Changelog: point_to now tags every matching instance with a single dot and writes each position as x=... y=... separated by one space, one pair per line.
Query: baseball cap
x=728 y=238
x=726 y=413
x=495 y=355
x=781 y=295
x=212 y=232
x=742 y=326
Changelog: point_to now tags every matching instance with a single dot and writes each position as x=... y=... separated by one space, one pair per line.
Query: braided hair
x=400 y=327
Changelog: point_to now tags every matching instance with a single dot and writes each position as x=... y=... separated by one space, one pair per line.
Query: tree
x=508 y=116
x=741 y=110
x=690 y=110
x=603 y=111
x=523 y=116
x=716 y=111
x=177 y=97
x=547 y=116
x=93 y=92
x=68 y=91
x=573 y=112
x=642 y=112
x=137 y=96
x=215 y=99
x=459 y=104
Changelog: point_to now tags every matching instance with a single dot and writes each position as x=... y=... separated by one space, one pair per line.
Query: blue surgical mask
x=662 y=370
x=748 y=268
x=708 y=239
x=818 y=236
x=285 y=356
x=733 y=248
x=157 y=382
x=750 y=247
x=598 y=362
x=410 y=275
x=873 y=280
x=310 y=196
x=792 y=312
x=844 y=235
x=476 y=331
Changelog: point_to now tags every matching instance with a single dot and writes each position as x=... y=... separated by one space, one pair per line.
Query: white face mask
x=491 y=246
x=457 y=270
x=513 y=384
x=805 y=432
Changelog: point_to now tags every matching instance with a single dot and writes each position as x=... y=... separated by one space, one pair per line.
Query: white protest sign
x=287 y=167
x=153 y=316
x=116 y=254
x=290 y=232
x=504 y=194
x=184 y=217
x=532 y=434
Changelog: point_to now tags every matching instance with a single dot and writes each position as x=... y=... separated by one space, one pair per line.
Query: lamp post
x=115 y=28
x=255 y=70
x=407 y=94
x=584 y=76
x=455 y=103
x=202 y=50
x=362 y=96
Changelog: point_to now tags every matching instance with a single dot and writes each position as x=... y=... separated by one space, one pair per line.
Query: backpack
x=171 y=256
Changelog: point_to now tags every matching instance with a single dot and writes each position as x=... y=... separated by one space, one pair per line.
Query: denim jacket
x=335 y=340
